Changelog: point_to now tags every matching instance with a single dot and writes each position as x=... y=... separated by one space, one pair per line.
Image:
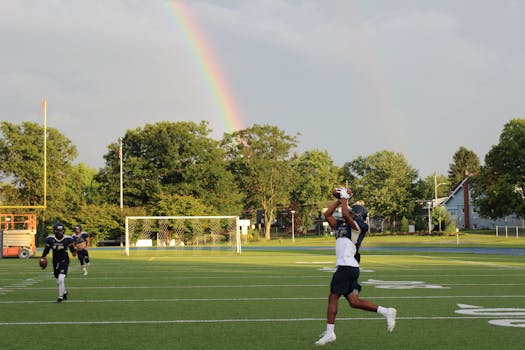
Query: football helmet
x=359 y=212
x=59 y=229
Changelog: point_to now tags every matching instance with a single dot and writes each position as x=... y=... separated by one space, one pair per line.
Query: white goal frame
x=236 y=241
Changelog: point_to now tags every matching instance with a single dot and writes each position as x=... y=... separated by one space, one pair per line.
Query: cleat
x=59 y=300
x=85 y=273
x=64 y=296
x=326 y=338
x=391 y=319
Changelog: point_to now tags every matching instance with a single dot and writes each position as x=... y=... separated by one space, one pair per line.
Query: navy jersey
x=343 y=230
x=59 y=247
x=81 y=238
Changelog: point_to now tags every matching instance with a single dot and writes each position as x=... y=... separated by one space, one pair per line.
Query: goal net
x=182 y=231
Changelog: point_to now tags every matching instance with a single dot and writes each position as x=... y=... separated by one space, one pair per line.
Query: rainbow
x=209 y=65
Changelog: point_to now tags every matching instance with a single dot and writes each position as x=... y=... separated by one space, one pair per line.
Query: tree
x=178 y=205
x=499 y=188
x=386 y=183
x=170 y=159
x=314 y=176
x=103 y=221
x=464 y=162
x=259 y=158
x=440 y=216
x=431 y=182
x=22 y=170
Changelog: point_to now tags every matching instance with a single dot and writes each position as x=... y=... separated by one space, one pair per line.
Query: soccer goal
x=182 y=231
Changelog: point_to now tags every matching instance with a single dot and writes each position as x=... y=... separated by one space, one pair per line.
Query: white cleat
x=85 y=273
x=391 y=319
x=326 y=338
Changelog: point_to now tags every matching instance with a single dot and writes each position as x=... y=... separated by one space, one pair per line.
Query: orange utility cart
x=19 y=232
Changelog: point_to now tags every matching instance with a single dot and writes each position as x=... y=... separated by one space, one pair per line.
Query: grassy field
x=264 y=299
x=405 y=240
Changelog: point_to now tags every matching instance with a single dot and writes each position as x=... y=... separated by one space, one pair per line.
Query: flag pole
x=44 y=105
x=121 y=186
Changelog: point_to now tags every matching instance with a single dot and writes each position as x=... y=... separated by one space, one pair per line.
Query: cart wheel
x=24 y=253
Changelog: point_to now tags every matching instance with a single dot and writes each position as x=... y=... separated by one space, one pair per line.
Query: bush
x=421 y=225
x=404 y=224
x=450 y=227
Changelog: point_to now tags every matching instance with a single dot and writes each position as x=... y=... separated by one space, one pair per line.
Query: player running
x=82 y=240
x=59 y=243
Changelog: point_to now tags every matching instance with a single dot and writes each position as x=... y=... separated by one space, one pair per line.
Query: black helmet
x=359 y=212
x=59 y=229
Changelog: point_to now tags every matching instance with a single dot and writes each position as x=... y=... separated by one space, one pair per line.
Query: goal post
x=181 y=231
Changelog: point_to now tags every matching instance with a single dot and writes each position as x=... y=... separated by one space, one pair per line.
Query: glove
x=343 y=194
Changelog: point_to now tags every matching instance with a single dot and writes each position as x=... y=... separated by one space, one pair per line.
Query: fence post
x=506 y=231
x=496 y=231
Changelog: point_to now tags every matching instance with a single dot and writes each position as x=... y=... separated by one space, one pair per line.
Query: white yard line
x=247 y=320
x=254 y=299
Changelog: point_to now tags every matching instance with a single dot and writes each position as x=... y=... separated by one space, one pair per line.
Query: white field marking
x=484 y=284
x=25 y=284
x=4 y=291
x=508 y=323
x=174 y=278
x=328 y=269
x=314 y=262
x=28 y=282
x=238 y=320
x=402 y=284
x=332 y=269
x=453 y=275
x=498 y=313
x=246 y=286
x=469 y=262
x=176 y=300
x=187 y=287
x=492 y=312
x=468 y=306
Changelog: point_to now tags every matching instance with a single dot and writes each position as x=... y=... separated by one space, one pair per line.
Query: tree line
x=177 y=168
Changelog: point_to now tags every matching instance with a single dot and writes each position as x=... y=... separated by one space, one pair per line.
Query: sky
x=353 y=78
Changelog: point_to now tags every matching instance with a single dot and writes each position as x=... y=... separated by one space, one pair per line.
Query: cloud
x=422 y=78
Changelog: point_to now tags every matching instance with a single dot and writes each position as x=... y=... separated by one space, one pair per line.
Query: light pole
x=429 y=203
x=436 y=185
x=293 y=228
x=121 y=182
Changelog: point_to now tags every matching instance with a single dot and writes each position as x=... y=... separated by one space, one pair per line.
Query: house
x=459 y=205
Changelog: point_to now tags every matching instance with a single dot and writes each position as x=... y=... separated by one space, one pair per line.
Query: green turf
x=412 y=240
x=171 y=299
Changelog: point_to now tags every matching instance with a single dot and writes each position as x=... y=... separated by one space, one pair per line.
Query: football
x=43 y=263
x=335 y=192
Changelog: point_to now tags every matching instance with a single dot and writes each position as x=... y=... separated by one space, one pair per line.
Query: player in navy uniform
x=350 y=229
x=59 y=243
x=81 y=240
